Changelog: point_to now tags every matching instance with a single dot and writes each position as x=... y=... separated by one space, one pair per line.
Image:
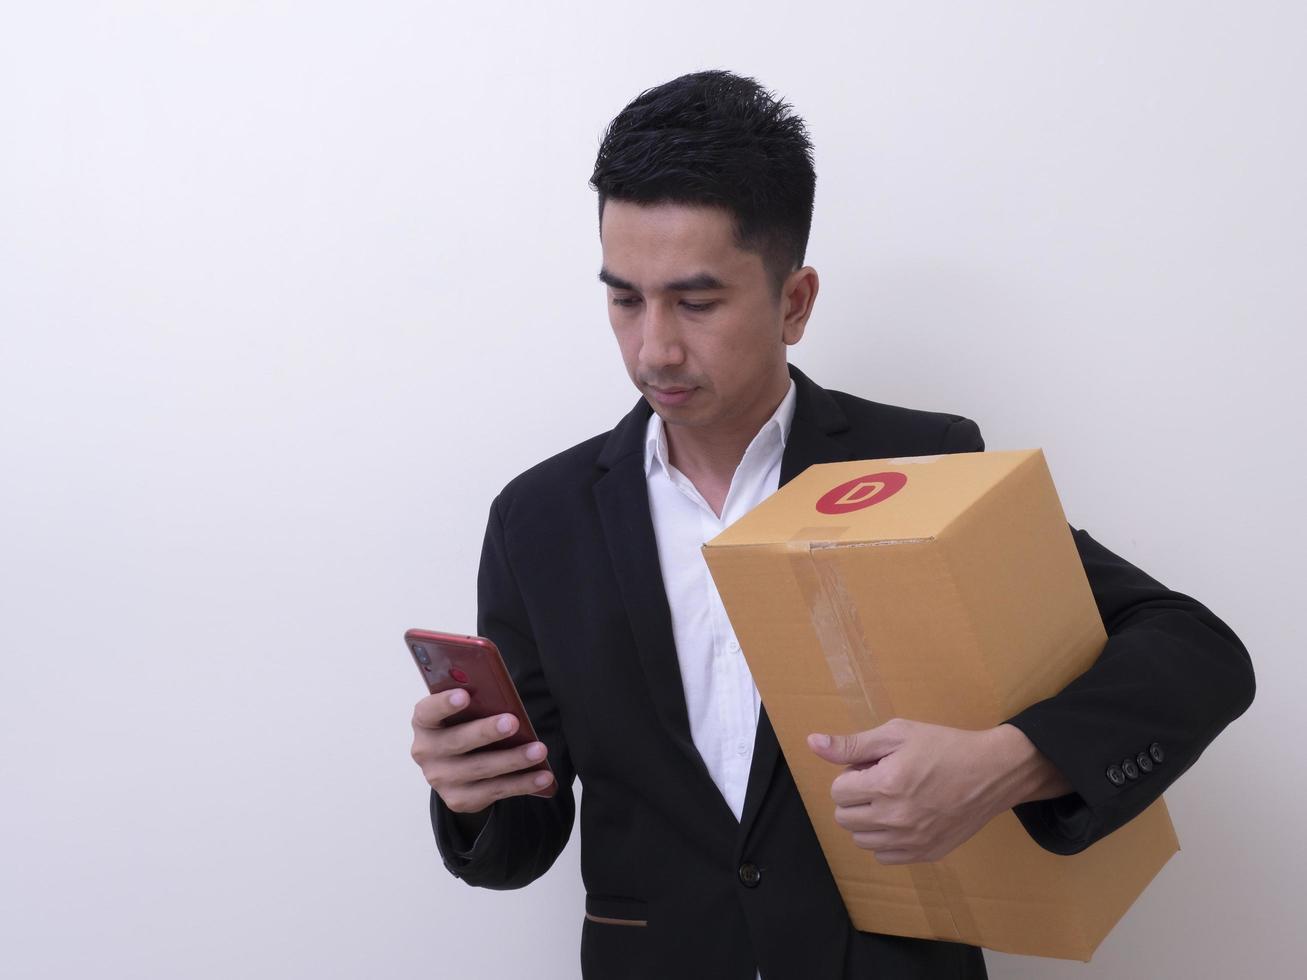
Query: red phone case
x=451 y=660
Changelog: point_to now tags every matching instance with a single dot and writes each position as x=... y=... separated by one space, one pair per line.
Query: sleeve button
x=1130 y=769
x=1155 y=750
x=1145 y=762
x=1115 y=776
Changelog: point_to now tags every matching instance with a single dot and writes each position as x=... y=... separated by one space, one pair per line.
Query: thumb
x=859 y=747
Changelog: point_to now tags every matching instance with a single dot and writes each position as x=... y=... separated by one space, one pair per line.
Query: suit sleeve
x=962 y=436
x=1170 y=678
x=524 y=834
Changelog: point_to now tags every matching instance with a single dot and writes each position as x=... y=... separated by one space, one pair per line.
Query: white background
x=289 y=291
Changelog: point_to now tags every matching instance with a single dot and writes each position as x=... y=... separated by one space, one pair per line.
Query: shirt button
x=733 y=646
x=741 y=747
x=750 y=874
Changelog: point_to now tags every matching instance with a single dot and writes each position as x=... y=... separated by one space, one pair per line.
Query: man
x=698 y=857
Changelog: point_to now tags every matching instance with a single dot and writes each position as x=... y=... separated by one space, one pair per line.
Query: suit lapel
x=816 y=417
x=622 y=498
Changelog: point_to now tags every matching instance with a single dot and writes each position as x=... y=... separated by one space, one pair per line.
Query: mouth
x=671 y=396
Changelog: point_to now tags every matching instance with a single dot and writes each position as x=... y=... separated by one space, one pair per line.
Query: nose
x=660 y=339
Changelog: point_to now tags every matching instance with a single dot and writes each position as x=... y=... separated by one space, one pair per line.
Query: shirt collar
x=655 y=438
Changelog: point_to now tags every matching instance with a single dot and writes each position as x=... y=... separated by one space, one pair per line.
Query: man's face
x=693 y=314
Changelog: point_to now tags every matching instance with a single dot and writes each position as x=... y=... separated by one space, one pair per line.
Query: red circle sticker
x=860 y=492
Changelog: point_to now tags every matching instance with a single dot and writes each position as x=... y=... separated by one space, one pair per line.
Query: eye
x=699 y=307
x=625 y=301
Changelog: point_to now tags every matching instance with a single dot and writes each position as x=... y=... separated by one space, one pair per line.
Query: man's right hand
x=468 y=782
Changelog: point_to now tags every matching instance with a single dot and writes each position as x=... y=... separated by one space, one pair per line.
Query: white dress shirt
x=720 y=695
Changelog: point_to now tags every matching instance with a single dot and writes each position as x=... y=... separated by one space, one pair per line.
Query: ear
x=797 y=298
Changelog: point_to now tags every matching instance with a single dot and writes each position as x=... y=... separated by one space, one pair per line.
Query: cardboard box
x=943 y=589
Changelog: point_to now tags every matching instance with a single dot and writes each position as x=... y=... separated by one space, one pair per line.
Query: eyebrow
x=695 y=283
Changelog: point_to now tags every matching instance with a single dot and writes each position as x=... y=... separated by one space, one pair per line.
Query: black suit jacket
x=570 y=590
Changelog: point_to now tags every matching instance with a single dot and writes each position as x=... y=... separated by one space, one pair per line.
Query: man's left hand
x=913 y=791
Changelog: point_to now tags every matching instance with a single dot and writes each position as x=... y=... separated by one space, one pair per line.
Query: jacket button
x=1130 y=769
x=1115 y=776
x=1145 y=761
x=1155 y=750
x=750 y=875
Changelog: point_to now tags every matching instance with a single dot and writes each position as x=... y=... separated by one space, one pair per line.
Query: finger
x=859 y=747
x=461 y=738
x=476 y=796
x=855 y=787
x=877 y=840
x=873 y=816
x=857 y=818
x=470 y=768
x=897 y=857
x=432 y=710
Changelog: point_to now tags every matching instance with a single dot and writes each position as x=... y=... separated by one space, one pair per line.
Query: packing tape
x=834 y=619
x=839 y=633
x=959 y=909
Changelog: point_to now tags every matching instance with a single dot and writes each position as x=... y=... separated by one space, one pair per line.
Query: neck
x=715 y=452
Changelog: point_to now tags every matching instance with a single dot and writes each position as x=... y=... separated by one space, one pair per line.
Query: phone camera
x=420 y=652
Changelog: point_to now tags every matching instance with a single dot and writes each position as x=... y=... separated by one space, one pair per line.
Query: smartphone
x=453 y=660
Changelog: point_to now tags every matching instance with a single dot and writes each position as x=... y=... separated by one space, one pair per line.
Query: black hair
x=719 y=139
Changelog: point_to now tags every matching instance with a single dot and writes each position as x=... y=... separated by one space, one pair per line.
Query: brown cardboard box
x=944 y=589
